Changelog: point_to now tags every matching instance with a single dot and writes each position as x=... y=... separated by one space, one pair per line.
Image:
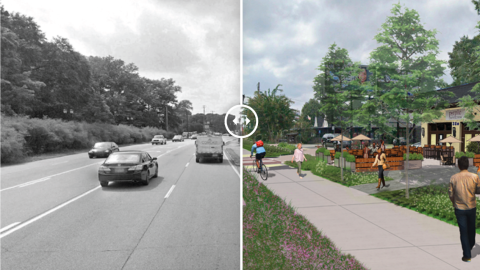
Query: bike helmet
x=259 y=143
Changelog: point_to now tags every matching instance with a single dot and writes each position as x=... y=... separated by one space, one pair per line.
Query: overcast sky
x=284 y=41
x=197 y=43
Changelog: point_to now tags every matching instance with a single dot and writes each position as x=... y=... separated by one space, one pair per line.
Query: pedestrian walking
x=299 y=158
x=461 y=190
x=380 y=159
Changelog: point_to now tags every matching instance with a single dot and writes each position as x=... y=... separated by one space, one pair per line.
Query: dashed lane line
x=169 y=192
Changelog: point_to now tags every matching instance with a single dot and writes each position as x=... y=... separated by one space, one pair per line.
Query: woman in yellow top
x=380 y=160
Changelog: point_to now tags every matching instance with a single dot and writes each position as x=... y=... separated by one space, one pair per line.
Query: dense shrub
x=467 y=154
x=473 y=147
x=320 y=150
x=413 y=156
x=23 y=136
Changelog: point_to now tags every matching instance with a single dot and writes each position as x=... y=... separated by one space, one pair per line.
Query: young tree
x=273 y=112
x=408 y=56
x=336 y=88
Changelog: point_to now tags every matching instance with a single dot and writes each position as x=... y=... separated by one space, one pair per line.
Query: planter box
x=352 y=166
x=413 y=164
x=320 y=155
x=470 y=162
x=336 y=163
x=328 y=159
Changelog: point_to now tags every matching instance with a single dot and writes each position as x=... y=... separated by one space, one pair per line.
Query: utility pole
x=188 y=129
x=166 y=118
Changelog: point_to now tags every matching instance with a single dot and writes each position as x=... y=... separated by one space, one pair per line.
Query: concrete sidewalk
x=379 y=234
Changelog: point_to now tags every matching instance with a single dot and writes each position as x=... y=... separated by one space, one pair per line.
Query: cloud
x=197 y=43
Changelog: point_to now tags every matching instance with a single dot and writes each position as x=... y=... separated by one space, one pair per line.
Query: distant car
x=399 y=141
x=103 y=149
x=226 y=134
x=136 y=166
x=177 y=138
x=193 y=137
x=217 y=134
x=159 y=139
x=418 y=144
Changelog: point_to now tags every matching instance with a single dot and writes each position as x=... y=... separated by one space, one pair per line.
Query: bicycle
x=264 y=171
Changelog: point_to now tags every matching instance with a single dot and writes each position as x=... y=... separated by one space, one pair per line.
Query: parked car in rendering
x=417 y=144
x=103 y=149
x=177 y=138
x=399 y=141
x=193 y=137
x=159 y=139
x=136 y=166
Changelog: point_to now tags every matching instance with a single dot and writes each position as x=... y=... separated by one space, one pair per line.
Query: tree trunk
x=408 y=150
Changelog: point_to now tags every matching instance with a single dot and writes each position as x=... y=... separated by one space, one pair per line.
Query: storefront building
x=451 y=123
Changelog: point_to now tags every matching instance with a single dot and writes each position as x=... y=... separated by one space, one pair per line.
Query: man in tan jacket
x=461 y=190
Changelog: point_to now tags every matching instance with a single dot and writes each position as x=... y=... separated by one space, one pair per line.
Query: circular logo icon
x=247 y=121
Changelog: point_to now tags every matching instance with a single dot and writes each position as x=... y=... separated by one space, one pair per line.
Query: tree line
x=50 y=79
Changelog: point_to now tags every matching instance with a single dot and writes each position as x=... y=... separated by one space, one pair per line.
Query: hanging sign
x=455 y=114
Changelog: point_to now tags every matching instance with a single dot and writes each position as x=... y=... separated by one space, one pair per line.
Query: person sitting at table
x=373 y=149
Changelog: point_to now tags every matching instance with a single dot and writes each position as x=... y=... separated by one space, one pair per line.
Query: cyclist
x=258 y=146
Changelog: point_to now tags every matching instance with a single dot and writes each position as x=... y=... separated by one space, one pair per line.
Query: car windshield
x=123 y=158
x=158 y=136
x=101 y=145
x=177 y=136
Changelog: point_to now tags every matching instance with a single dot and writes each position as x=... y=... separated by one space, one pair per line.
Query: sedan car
x=177 y=138
x=136 y=166
x=193 y=137
x=103 y=149
x=159 y=139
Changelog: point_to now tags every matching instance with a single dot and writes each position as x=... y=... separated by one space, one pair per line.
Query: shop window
x=448 y=126
x=433 y=127
x=441 y=126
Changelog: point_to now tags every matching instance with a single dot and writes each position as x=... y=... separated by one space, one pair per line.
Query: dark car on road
x=194 y=137
x=103 y=149
x=136 y=166
x=177 y=138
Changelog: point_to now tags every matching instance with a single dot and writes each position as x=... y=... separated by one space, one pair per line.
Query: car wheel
x=197 y=160
x=220 y=160
x=147 y=179
x=90 y=156
x=104 y=183
x=156 y=173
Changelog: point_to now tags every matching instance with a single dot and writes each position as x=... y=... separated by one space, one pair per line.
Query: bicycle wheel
x=264 y=172
x=254 y=167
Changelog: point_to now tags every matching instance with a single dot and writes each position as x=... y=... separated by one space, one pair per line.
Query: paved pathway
x=379 y=234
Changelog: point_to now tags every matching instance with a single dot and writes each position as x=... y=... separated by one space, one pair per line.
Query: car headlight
x=104 y=168
x=136 y=168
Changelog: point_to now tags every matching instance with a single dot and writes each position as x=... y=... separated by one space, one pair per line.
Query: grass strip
x=276 y=237
x=431 y=200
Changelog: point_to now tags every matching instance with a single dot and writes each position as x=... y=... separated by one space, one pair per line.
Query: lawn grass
x=306 y=165
x=276 y=237
x=431 y=200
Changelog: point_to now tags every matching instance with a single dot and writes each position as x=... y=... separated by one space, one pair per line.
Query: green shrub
x=473 y=147
x=470 y=154
x=350 y=158
x=413 y=156
x=320 y=150
x=306 y=165
x=459 y=155
x=282 y=144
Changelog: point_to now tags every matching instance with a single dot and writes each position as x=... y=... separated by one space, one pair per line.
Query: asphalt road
x=55 y=215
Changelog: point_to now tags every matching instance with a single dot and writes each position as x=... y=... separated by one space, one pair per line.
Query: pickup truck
x=159 y=139
x=209 y=147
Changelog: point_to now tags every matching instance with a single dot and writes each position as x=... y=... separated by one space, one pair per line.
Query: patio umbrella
x=474 y=139
x=452 y=139
x=361 y=138
x=339 y=138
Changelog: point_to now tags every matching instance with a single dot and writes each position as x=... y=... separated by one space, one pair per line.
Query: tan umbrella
x=451 y=139
x=474 y=139
x=361 y=138
x=339 y=138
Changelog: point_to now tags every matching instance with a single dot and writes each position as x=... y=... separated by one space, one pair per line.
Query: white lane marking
x=233 y=167
x=34 y=182
x=9 y=226
x=187 y=164
x=50 y=176
x=46 y=213
x=169 y=192
x=170 y=151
